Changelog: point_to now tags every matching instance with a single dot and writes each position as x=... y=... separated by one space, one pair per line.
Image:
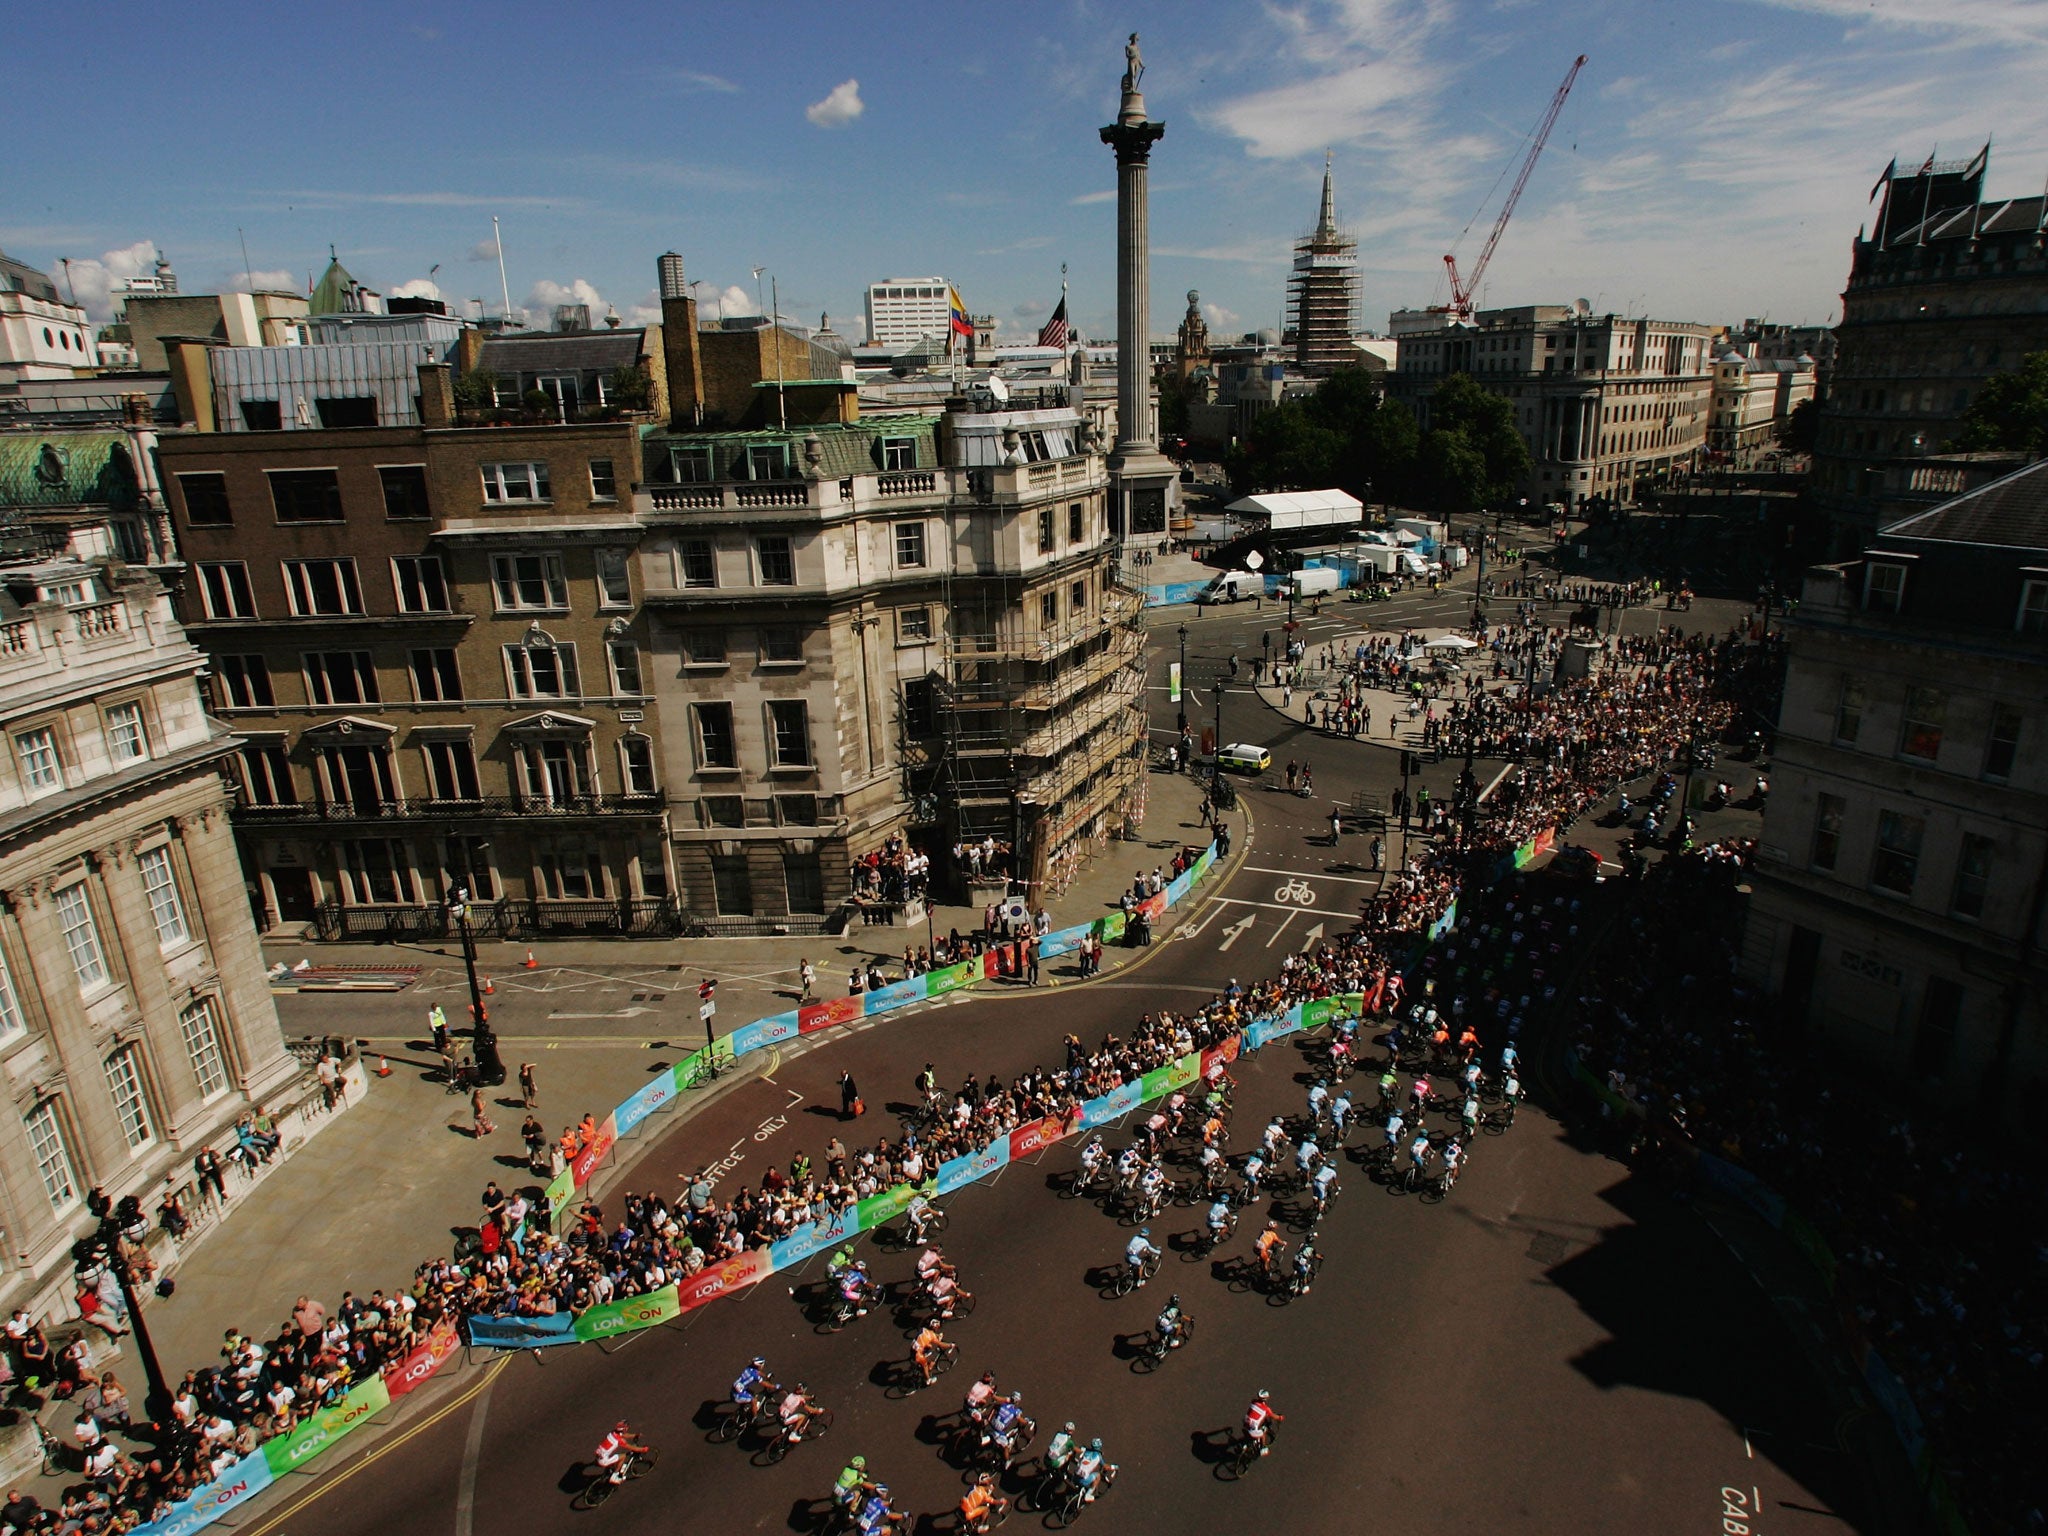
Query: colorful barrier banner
x=818 y=1236
x=1062 y=941
x=1036 y=1136
x=763 y=1033
x=246 y=1478
x=888 y=1205
x=840 y=1010
x=1445 y=922
x=442 y=1340
x=1179 y=886
x=325 y=1426
x=950 y=978
x=585 y=1163
x=654 y=1094
x=897 y=994
x=966 y=1169
x=560 y=1190
x=1111 y=1106
x=1161 y=1081
x=1110 y=926
x=1203 y=860
x=492 y=1331
x=1154 y=907
x=722 y=1279
x=1259 y=1031
x=628 y=1314
x=1219 y=1056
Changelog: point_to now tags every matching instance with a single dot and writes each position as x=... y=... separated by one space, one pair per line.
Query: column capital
x=1133 y=141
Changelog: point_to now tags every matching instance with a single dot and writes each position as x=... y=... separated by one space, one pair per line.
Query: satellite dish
x=998 y=389
x=1254 y=561
x=1583 y=306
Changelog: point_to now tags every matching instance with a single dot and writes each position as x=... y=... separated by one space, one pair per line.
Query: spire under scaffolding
x=1323 y=292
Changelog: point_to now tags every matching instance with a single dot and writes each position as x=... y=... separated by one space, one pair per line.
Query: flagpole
x=1067 y=341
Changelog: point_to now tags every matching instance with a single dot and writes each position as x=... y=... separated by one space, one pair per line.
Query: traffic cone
x=531 y=963
x=487 y=985
x=383 y=1067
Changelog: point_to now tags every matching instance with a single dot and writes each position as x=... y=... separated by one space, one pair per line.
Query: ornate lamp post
x=100 y=1251
x=490 y=1066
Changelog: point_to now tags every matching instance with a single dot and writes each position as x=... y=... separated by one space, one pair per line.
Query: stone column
x=1132 y=136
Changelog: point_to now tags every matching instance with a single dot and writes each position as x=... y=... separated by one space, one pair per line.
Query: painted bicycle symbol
x=1297 y=892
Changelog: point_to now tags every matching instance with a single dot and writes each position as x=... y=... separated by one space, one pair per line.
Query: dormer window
x=1884 y=586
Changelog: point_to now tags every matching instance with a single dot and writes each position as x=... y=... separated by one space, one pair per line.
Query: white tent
x=1300 y=509
x=1452 y=643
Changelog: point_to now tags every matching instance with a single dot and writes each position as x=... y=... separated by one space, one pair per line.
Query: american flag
x=1055 y=333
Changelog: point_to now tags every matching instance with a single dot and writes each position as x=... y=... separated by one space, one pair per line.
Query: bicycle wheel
x=640 y=1464
x=732 y=1425
x=944 y=1363
x=938 y=1222
x=821 y=1422
x=777 y=1448
x=598 y=1490
x=963 y=1304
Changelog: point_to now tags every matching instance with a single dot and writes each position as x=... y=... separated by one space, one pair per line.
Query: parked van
x=1311 y=583
x=1232 y=585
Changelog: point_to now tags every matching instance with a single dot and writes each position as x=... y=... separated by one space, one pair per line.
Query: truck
x=1423 y=528
x=1311 y=583
x=1455 y=557
x=1397 y=562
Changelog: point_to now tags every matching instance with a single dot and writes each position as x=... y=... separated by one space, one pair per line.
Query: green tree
x=1802 y=428
x=1283 y=451
x=1378 y=436
x=2010 y=411
x=1173 y=405
x=1472 y=456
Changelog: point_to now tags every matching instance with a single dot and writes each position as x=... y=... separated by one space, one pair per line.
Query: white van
x=1232 y=585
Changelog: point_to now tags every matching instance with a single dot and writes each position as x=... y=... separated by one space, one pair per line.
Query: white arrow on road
x=1236 y=931
x=1308 y=940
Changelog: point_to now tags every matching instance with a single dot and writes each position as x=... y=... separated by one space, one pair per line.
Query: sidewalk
x=387 y=1182
x=1392 y=725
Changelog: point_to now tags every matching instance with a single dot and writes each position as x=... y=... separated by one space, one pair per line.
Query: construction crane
x=1463 y=288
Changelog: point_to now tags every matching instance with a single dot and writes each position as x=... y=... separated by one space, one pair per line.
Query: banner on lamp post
x=1173 y=682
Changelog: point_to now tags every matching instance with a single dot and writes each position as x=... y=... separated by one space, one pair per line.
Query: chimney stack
x=680 y=347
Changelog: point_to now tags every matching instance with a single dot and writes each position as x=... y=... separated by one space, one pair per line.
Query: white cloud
x=419 y=288
x=484 y=250
x=2001 y=21
x=275 y=280
x=715 y=303
x=1088 y=199
x=691 y=80
x=93 y=280
x=1222 y=319
x=545 y=295
x=840 y=107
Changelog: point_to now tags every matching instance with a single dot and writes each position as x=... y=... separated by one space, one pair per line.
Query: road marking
x=1235 y=932
x=1297 y=891
x=632 y=1012
x=1268 y=906
x=472 y=1452
x=1308 y=939
x=1261 y=869
x=1280 y=930
x=1194 y=930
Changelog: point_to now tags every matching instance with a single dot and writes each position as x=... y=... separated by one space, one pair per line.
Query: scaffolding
x=1323 y=293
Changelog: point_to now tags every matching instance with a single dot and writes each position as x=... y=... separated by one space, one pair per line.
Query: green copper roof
x=65 y=469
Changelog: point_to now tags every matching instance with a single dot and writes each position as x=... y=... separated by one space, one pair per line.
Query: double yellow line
x=327 y=1485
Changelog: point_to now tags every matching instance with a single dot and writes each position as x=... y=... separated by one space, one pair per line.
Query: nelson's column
x=1143 y=481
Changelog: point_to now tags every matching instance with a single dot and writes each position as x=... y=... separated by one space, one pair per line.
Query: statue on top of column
x=1134 y=67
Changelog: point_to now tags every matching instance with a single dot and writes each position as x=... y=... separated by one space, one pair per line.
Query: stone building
x=1754 y=397
x=1902 y=876
x=1948 y=288
x=1323 y=293
x=1609 y=406
x=41 y=335
x=135 y=1020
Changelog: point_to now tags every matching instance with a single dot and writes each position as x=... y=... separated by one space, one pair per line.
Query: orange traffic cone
x=531 y=963
x=487 y=985
x=383 y=1067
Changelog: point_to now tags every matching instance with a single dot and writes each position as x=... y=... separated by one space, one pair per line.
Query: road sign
x=706 y=1011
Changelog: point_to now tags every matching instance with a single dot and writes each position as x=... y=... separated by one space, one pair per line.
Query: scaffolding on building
x=1323 y=292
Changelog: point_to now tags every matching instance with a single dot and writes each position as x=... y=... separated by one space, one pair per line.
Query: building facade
x=904 y=310
x=135 y=1019
x=41 y=336
x=1323 y=293
x=1903 y=865
x=1950 y=288
x=1610 y=407
x=1754 y=397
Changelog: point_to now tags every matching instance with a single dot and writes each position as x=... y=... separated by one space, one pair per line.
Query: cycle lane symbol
x=1296 y=893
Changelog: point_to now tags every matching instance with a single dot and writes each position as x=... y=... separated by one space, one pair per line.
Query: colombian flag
x=962 y=326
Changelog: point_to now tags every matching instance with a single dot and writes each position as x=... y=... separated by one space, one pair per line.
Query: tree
x=1472 y=456
x=1801 y=428
x=1377 y=436
x=2010 y=411
x=1283 y=450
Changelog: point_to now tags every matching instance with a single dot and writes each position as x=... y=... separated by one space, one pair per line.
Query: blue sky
x=1711 y=164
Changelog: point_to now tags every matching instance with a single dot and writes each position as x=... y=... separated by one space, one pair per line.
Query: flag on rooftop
x=1055 y=332
x=962 y=325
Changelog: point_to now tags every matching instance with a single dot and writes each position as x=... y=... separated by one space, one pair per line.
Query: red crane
x=1462 y=289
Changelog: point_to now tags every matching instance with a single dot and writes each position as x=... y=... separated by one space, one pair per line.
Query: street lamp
x=1183 y=680
x=99 y=1251
x=490 y=1067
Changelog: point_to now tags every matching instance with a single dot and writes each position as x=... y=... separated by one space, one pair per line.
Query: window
x=340 y=677
x=1827 y=831
x=267 y=776
x=10 y=1005
x=200 y=1025
x=920 y=707
x=346 y=410
x=913 y=625
x=242 y=682
x=1046 y=543
x=1077 y=598
x=803 y=880
x=625 y=657
x=81 y=936
x=767 y=461
x=704 y=648
x=789 y=733
x=435 y=677
x=780 y=643
x=529 y=581
x=732 y=886
x=160 y=882
x=262 y=416
x=689 y=466
x=573 y=876
x=777 y=562
x=41 y=767
x=797 y=810
x=910 y=546
x=636 y=764
x=603 y=487
x=723 y=811
x=1973 y=874
x=2003 y=748
x=695 y=564
x=306 y=495
x=1884 y=586
x=71 y=594
x=421 y=582
x=374 y=870
x=1849 y=713
x=131 y=1109
x=1048 y=607
x=469 y=866
x=898 y=453
x=53 y=1158
x=2033 y=614
x=1898 y=852
x=405 y=491
x=516 y=482
x=206 y=500
x=323 y=587
x=451 y=770
x=1920 y=724
x=1075 y=526
x=224 y=587
x=542 y=672
x=715 y=745
x=614 y=584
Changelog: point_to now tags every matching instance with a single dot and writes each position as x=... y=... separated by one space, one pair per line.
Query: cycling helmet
x=1144 y=1231
x=986 y=1478
x=1264 y=1395
x=882 y=1491
x=1016 y=1398
x=802 y=1390
x=1095 y=1444
x=860 y=1462
x=1070 y=1426
x=620 y=1427
x=760 y=1364
x=1173 y=1300
x=988 y=1378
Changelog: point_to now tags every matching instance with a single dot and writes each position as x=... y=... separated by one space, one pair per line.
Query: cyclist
x=1305 y=1264
x=1511 y=1095
x=1454 y=1154
x=796 y=1412
x=1221 y=1219
x=1211 y=1164
x=1137 y=1251
x=875 y=1514
x=1468 y=1112
x=852 y=1486
x=1468 y=1075
x=1390 y=1089
x=1340 y=1113
x=1173 y=1324
x=616 y=1449
x=1058 y=1449
x=926 y=1350
x=1152 y=1188
x=1510 y=1058
x=932 y=1263
x=1006 y=1424
x=1254 y=1169
x=1418 y=1094
x=1093 y=1155
x=1259 y=1420
x=1088 y=1471
x=1396 y=1126
x=1275 y=1137
x=1271 y=1247
x=946 y=1293
x=1306 y=1156
x=1418 y=1155
x=1325 y=1185
x=1318 y=1096
x=978 y=1508
x=921 y=1213
x=753 y=1386
x=838 y=1265
x=983 y=1399
x=855 y=1287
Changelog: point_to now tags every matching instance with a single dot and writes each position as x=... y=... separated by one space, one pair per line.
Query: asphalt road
x=1554 y=1348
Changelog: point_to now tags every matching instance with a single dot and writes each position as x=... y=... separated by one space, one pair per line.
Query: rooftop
x=2009 y=513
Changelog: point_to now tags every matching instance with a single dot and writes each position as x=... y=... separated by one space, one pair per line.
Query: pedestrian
x=437 y=1021
x=207 y=1165
x=451 y=1074
x=1031 y=962
x=1379 y=853
x=808 y=975
x=480 y=1124
x=849 y=1097
x=331 y=1087
x=529 y=1089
